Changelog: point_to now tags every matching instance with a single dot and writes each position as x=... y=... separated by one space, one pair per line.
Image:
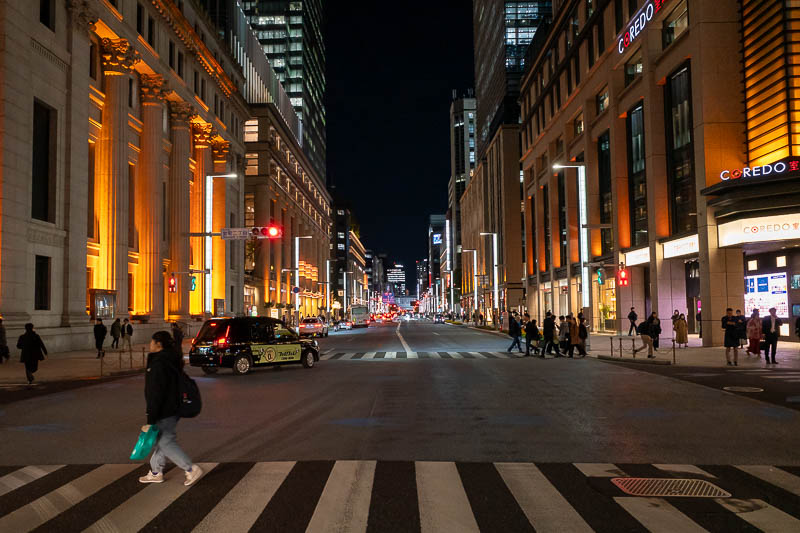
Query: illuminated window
x=252 y=164
x=602 y=100
x=577 y=125
x=251 y=130
x=633 y=68
x=780 y=261
x=340 y=246
x=752 y=265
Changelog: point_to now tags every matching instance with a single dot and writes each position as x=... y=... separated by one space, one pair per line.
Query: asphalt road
x=411 y=444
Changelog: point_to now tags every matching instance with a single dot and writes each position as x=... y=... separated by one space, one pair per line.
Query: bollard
x=673 y=352
x=620 y=347
x=142 y=356
x=130 y=358
x=612 y=345
x=101 y=366
x=119 y=354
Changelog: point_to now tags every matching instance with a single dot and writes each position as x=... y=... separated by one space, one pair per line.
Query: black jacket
x=531 y=331
x=548 y=327
x=161 y=385
x=32 y=347
x=99 y=332
x=513 y=327
x=632 y=316
x=766 y=324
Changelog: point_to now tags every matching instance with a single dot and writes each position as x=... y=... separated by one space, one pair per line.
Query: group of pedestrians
x=565 y=337
x=760 y=334
x=123 y=330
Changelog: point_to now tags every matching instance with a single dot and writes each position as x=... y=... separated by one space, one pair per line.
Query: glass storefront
x=605 y=298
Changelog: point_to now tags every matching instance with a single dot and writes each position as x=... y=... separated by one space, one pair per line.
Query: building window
x=633 y=6
x=340 y=246
x=589 y=8
x=132 y=206
x=576 y=69
x=752 y=265
x=251 y=130
x=203 y=89
x=633 y=68
x=562 y=219
x=41 y=291
x=559 y=145
x=151 y=32
x=172 y=55
x=680 y=151
x=251 y=168
x=180 y=65
x=590 y=51
x=604 y=186
x=164 y=221
x=130 y=292
x=340 y=212
x=577 y=125
x=602 y=100
x=618 y=16
x=140 y=19
x=637 y=180
x=548 y=239
x=47 y=13
x=130 y=92
x=93 y=60
x=780 y=261
x=90 y=194
x=196 y=82
x=574 y=25
x=675 y=24
x=340 y=235
x=43 y=168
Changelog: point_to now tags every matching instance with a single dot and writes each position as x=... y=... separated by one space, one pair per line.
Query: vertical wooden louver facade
x=771 y=58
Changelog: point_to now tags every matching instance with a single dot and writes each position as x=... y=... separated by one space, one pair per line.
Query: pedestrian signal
x=192 y=283
x=622 y=277
x=601 y=276
x=173 y=284
x=273 y=231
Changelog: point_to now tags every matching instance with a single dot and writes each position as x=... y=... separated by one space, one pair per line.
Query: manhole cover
x=693 y=488
x=742 y=389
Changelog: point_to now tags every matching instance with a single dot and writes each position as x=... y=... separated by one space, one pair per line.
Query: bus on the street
x=359 y=316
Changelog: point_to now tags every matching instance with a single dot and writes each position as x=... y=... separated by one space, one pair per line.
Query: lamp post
x=496 y=268
x=474 y=275
x=208 y=258
x=344 y=300
x=297 y=274
x=583 y=221
x=328 y=289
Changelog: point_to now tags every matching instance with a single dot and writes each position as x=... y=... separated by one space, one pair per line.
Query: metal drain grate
x=691 y=488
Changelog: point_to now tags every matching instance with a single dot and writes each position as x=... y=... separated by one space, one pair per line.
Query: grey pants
x=166 y=447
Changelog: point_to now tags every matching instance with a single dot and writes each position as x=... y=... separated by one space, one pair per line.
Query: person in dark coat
x=4 y=352
x=116 y=331
x=731 y=326
x=33 y=351
x=548 y=332
x=771 y=328
x=654 y=328
x=177 y=337
x=531 y=337
x=162 y=395
x=100 y=332
x=741 y=327
x=632 y=317
x=515 y=331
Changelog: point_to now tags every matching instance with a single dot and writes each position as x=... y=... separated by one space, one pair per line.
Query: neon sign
x=763 y=170
x=638 y=23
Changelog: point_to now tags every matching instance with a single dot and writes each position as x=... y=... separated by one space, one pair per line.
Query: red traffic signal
x=622 y=277
x=273 y=231
x=173 y=284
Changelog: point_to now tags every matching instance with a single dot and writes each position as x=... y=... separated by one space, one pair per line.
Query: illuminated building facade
x=688 y=184
x=116 y=115
x=283 y=188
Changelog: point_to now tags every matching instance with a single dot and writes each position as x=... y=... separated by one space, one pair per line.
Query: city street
x=455 y=436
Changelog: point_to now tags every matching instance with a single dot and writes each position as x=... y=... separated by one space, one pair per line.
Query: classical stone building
x=282 y=188
x=115 y=116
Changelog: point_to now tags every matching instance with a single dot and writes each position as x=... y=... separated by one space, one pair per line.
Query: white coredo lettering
x=638 y=23
x=763 y=170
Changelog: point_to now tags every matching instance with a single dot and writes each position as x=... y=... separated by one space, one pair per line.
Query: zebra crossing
x=788 y=376
x=388 y=496
x=335 y=355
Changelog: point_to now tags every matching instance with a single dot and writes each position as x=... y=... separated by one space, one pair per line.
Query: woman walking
x=754 y=334
x=116 y=331
x=741 y=328
x=731 y=325
x=655 y=328
x=681 y=331
x=33 y=351
x=162 y=395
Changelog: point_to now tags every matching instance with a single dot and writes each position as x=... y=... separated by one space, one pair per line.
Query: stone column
x=263 y=257
x=111 y=182
x=149 y=293
x=179 y=196
x=201 y=132
x=220 y=151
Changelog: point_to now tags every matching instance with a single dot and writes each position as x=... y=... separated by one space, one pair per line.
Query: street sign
x=235 y=234
x=296 y=290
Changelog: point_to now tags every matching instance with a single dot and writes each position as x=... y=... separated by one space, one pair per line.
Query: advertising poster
x=765 y=291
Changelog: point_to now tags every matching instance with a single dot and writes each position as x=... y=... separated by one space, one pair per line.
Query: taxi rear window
x=214 y=329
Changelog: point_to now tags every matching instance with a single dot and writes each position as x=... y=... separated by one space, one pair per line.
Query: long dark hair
x=168 y=345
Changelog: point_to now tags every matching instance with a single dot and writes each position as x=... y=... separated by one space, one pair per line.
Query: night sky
x=391 y=69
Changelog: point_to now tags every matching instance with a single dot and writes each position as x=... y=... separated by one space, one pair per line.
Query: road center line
x=402 y=340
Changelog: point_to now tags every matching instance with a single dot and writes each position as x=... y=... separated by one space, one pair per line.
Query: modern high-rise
x=396 y=277
x=290 y=32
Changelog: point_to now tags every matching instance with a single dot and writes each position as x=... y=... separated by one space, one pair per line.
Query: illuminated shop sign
x=764 y=170
x=766 y=291
x=684 y=246
x=437 y=238
x=639 y=21
x=761 y=229
x=637 y=257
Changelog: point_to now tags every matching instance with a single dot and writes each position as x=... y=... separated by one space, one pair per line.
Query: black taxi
x=241 y=343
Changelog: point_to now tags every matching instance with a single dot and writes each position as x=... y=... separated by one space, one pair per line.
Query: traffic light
x=192 y=283
x=273 y=231
x=173 y=284
x=601 y=276
x=622 y=277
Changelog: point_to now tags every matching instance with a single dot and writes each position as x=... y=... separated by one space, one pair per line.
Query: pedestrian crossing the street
x=389 y=356
x=389 y=496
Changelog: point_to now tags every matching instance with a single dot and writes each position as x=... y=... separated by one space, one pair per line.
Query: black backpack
x=643 y=328
x=190 y=402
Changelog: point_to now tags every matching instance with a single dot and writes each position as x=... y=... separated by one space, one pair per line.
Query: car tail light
x=223 y=341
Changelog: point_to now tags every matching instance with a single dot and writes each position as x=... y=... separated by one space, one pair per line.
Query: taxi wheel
x=210 y=369
x=241 y=365
x=308 y=359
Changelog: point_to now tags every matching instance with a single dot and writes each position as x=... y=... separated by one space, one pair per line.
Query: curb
x=490 y=332
x=632 y=360
x=133 y=372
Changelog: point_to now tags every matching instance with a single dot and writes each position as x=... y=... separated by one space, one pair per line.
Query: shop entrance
x=692 y=269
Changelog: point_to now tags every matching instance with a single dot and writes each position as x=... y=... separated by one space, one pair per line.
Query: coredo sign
x=764 y=170
x=639 y=21
x=759 y=229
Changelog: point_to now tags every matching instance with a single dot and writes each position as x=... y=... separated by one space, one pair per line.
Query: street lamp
x=474 y=274
x=209 y=252
x=344 y=282
x=583 y=221
x=494 y=260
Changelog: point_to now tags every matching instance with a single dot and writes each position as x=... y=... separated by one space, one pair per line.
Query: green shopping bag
x=145 y=443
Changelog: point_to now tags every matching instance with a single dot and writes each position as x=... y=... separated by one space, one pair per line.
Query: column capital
x=219 y=150
x=153 y=88
x=202 y=133
x=82 y=16
x=180 y=113
x=118 y=56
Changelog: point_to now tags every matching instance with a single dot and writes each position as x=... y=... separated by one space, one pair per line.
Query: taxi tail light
x=223 y=341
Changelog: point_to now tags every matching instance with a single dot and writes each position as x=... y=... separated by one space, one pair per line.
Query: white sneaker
x=152 y=478
x=193 y=475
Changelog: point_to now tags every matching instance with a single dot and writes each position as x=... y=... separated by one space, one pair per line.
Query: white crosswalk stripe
x=548 y=496
x=335 y=355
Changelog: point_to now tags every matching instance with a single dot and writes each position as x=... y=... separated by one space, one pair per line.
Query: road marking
x=369 y=355
x=411 y=355
x=56 y=502
x=391 y=355
x=541 y=502
x=241 y=507
x=23 y=476
x=774 y=476
x=344 y=503
x=402 y=340
x=443 y=504
x=658 y=515
x=760 y=514
x=435 y=333
x=600 y=470
x=684 y=469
